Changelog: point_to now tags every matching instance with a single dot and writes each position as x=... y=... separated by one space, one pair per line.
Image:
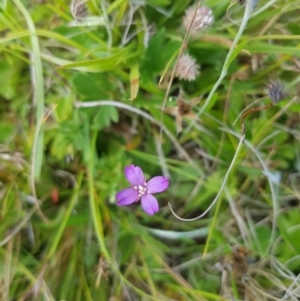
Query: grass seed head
x=275 y=90
x=187 y=69
x=203 y=19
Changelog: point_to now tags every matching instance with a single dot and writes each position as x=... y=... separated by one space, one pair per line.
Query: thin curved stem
x=272 y=188
x=221 y=188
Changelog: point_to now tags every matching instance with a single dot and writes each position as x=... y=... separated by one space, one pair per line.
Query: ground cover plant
x=149 y=150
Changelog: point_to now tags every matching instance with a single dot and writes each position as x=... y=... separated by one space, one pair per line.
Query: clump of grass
x=87 y=90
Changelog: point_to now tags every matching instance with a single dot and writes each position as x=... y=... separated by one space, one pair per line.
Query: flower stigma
x=142 y=189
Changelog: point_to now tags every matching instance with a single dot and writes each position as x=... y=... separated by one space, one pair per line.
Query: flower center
x=142 y=189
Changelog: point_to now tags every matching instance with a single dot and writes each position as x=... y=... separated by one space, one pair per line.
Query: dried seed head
x=187 y=69
x=275 y=90
x=78 y=9
x=183 y=109
x=203 y=18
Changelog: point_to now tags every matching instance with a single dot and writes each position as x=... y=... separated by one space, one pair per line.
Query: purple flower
x=140 y=189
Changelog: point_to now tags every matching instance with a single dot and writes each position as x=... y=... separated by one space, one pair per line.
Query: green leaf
x=38 y=78
x=158 y=2
x=263 y=233
x=158 y=54
x=134 y=80
x=8 y=77
x=103 y=64
x=3 y=4
x=92 y=86
x=6 y=131
x=114 y=5
x=104 y=117
x=269 y=48
x=212 y=102
x=237 y=50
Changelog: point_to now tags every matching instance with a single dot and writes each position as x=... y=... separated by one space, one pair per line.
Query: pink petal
x=149 y=204
x=134 y=175
x=127 y=196
x=158 y=184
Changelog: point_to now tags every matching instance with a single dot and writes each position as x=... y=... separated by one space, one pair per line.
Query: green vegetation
x=90 y=88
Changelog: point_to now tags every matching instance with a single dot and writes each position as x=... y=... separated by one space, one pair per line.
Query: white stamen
x=142 y=189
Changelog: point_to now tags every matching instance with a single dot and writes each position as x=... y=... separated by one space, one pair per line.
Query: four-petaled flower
x=140 y=189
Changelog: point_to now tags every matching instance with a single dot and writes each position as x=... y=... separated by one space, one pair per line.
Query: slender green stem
x=65 y=219
x=93 y=205
x=212 y=228
x=248 y=10
x=38 y=85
